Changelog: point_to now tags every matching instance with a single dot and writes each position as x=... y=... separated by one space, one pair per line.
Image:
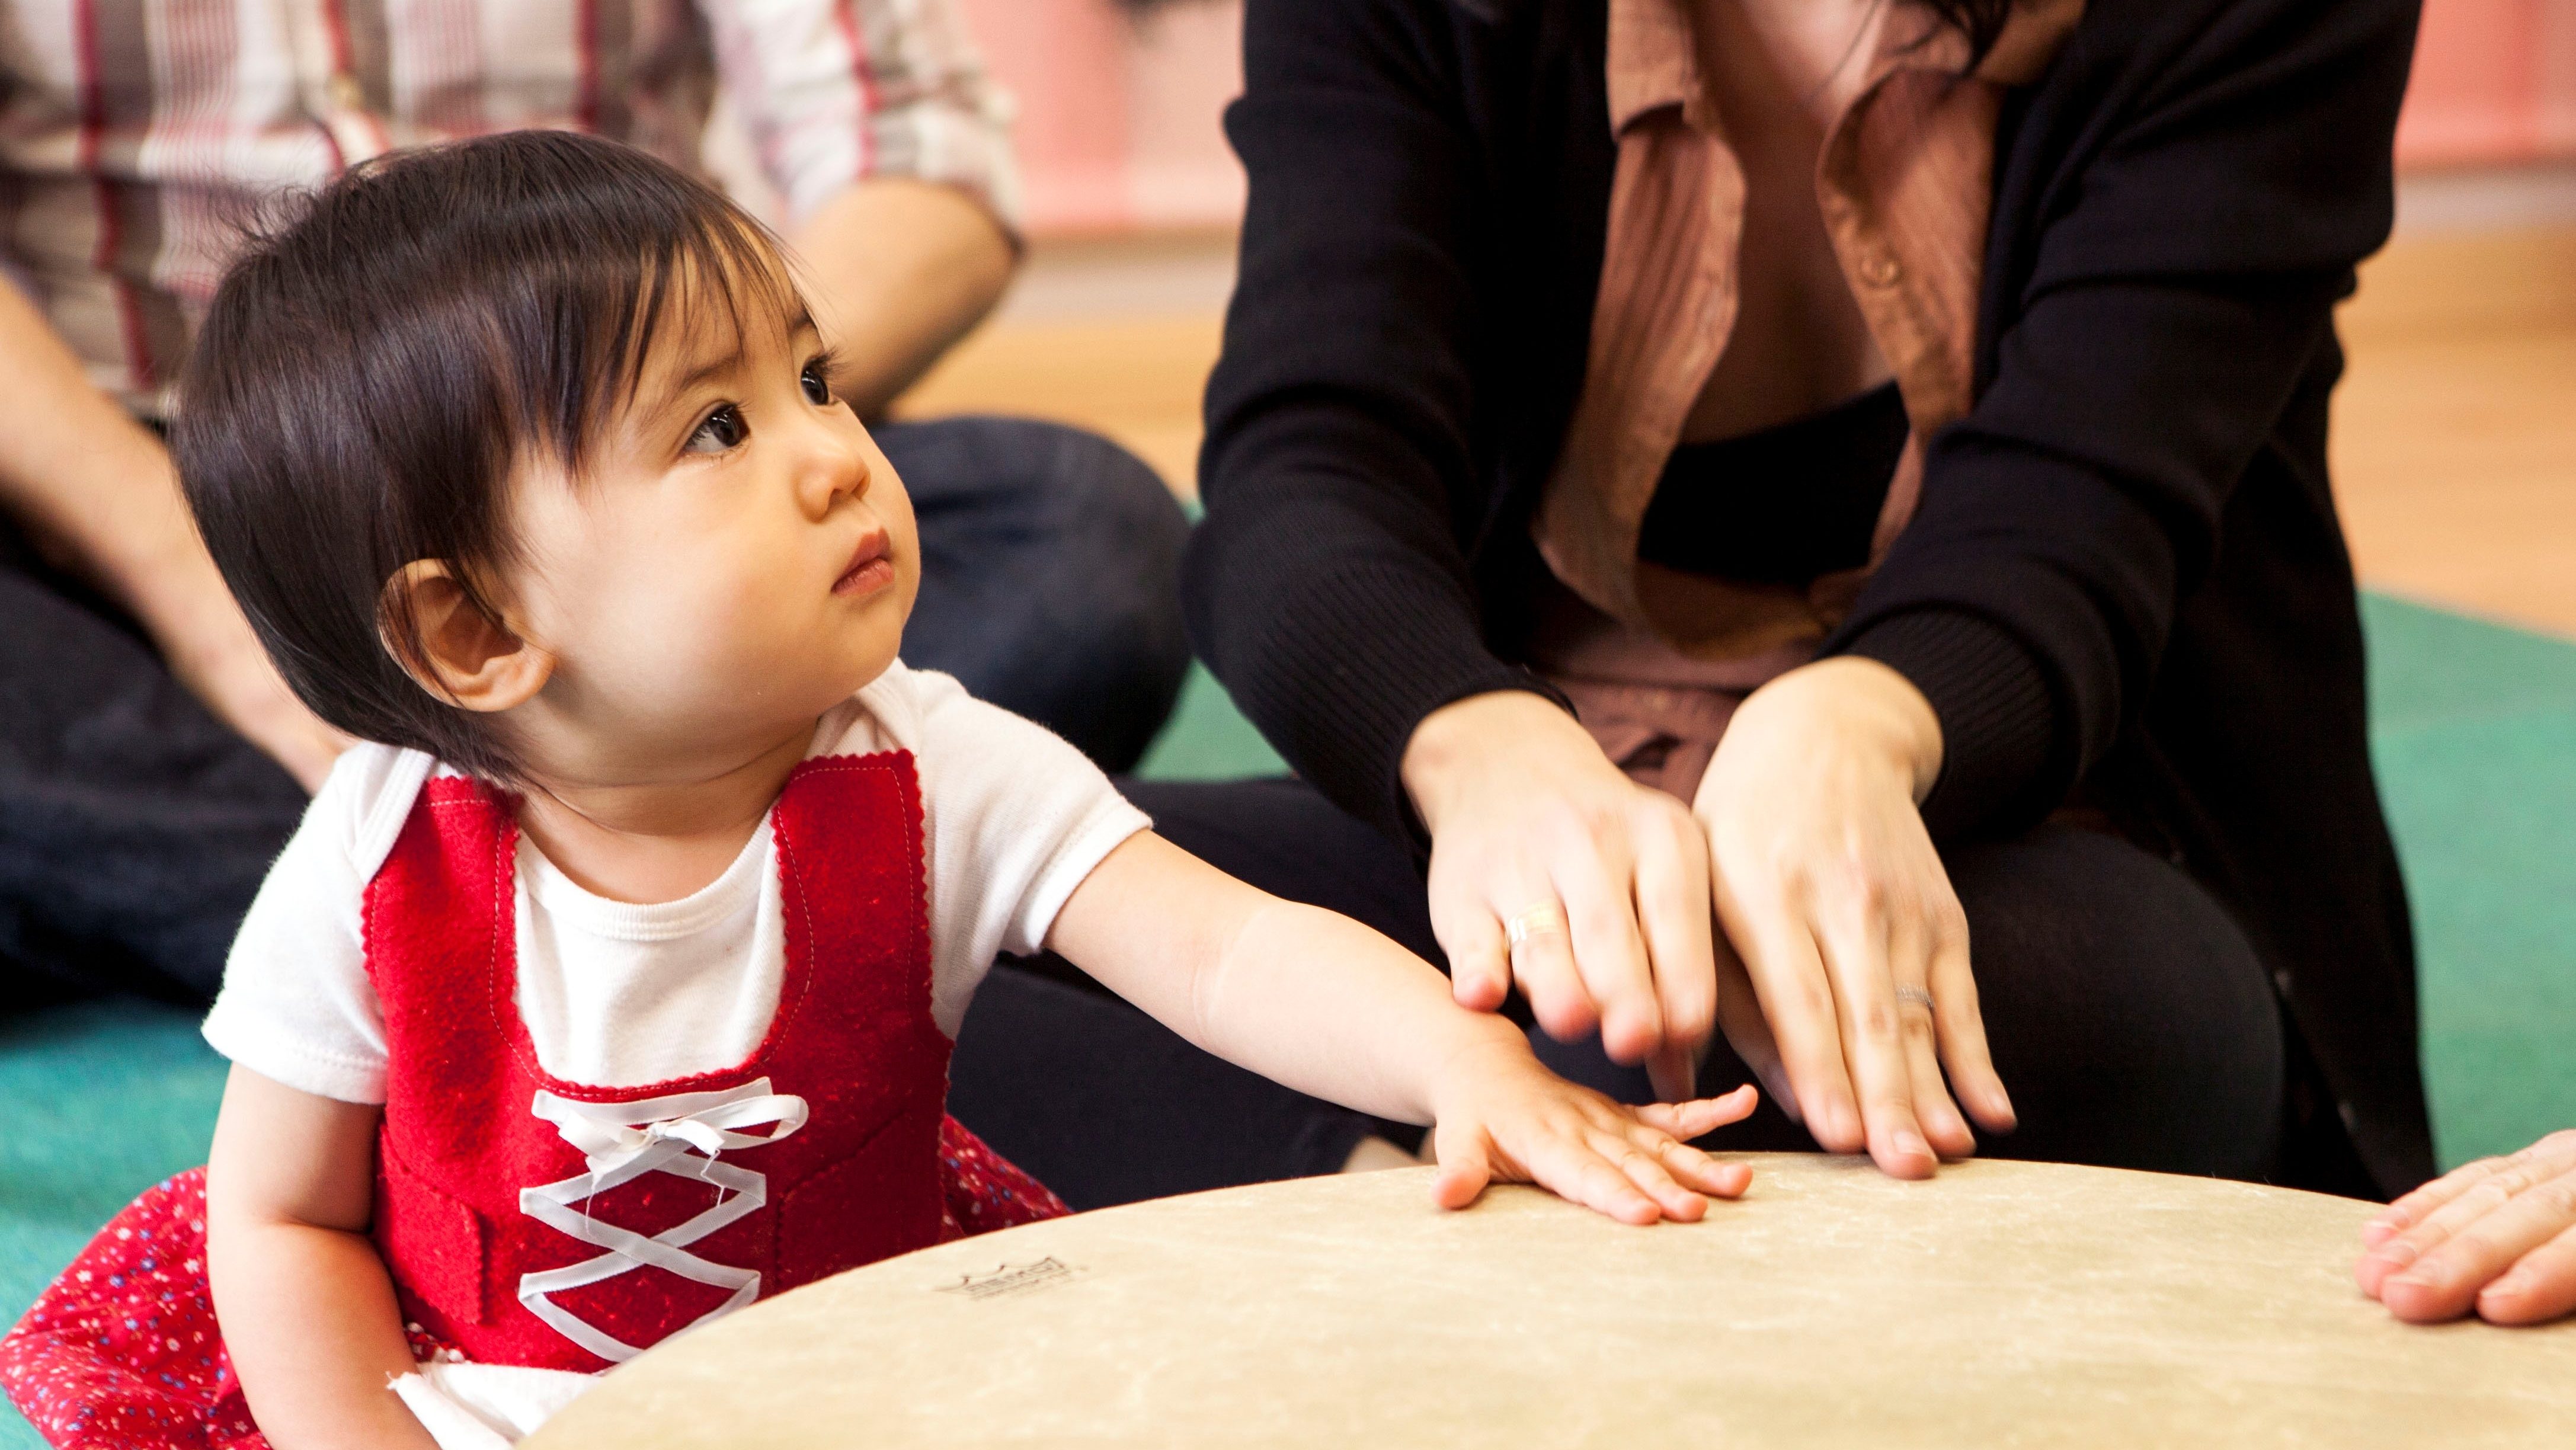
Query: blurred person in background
x=151 y=760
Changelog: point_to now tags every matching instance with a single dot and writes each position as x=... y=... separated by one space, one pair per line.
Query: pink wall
x=1118 y=127
x=1118 y=118
x=2495 y=81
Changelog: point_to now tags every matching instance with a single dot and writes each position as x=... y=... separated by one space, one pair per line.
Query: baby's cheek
x=675 y=622
x=737 y=623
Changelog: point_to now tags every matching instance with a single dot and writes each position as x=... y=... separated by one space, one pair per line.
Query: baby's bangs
x=726 y=261
x=597 y=287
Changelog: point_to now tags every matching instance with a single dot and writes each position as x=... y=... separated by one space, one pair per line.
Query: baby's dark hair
x=372 y=371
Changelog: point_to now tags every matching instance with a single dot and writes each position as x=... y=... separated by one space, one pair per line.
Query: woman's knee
x=1050 y=577
x=2129 y=1013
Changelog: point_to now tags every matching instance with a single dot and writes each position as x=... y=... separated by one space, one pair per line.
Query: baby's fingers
x=1645 y=1167
x=1692 y=1168
x=1705 y=1115
x=1572 y=1164
x=1466 y=1165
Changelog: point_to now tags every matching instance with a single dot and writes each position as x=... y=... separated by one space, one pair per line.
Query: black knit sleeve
x=2224 y=168
x=1325 y=585
x=1998 y=723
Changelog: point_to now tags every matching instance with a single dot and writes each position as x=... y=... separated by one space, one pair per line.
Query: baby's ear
x=445 y=640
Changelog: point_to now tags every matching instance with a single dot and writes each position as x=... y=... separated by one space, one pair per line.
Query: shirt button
x=2351 y=1119
x=2281 y=980
x=1879 y=269
x=346 y=93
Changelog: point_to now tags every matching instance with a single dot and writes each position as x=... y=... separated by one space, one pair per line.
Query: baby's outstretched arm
x=1329 y=1007
x=306 y=1306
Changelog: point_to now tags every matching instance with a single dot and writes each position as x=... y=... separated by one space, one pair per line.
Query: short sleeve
x=296 y=1005
x=1018 y=818
x=836 y=91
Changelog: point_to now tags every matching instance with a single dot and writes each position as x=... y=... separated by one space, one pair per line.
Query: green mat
x=2475 y=730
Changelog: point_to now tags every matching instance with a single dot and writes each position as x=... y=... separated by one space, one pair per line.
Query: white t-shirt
x=621 y=995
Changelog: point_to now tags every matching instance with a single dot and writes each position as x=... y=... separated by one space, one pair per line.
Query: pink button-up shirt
x=1654 y=657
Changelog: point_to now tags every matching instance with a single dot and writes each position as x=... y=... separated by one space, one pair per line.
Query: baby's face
x=738 y=558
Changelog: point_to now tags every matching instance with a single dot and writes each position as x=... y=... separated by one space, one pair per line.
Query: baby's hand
x=1502 y=1116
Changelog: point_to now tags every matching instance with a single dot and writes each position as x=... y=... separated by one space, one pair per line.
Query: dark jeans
x=134 y=828
x=2129 y=1017
x=1050 y=576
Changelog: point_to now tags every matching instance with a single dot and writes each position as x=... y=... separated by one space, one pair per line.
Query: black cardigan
x=2125 y=583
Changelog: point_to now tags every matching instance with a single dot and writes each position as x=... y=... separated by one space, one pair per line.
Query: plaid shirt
x=135 y=135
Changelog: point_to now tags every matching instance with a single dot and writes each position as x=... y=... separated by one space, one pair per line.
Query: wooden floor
x=2455 y=430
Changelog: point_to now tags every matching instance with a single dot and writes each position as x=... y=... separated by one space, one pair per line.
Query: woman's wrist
x=1457 y=743
x=1856 y=704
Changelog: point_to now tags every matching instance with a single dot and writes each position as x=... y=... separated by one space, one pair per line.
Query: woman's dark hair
x=373 y=370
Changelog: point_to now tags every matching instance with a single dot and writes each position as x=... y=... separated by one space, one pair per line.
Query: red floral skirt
x=122 y=1352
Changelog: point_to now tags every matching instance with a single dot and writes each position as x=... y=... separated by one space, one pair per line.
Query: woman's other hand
x=1852 y=939
x=1501 y=1117
x=1552 y=869
x=2496 y=1237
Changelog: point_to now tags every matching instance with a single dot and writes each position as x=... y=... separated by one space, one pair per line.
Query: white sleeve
x=1018 y=818
x=836 y=91
x=296 y=1005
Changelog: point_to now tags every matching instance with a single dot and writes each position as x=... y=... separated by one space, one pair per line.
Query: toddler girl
x=614 y=986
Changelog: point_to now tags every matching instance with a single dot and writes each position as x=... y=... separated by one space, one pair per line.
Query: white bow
x=613 y=1135
x=621 y=1142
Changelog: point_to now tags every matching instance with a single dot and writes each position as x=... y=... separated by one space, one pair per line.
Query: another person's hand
x=1536 y=835
x=210 y=647
x=97 y=494
x=1852 y=939
x=1500 y=1116
x=2496 y=1237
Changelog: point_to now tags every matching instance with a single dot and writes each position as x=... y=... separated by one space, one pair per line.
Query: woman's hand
x=1500 y=1116
x=1606 y=881
x=1851 y=938
x=2496 y=1237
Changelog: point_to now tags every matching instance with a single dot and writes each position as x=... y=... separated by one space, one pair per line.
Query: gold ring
x=1534 y=921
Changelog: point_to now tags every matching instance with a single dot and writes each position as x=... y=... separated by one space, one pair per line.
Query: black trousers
x=2128 y=1015
x=135 y=827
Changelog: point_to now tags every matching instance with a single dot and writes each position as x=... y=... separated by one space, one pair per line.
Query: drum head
x=1998 y=1304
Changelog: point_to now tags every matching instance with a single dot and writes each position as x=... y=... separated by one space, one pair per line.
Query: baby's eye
x=818 y=388
x=722 y=430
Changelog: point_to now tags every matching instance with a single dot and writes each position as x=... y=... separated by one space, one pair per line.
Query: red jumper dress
x=532 y=1221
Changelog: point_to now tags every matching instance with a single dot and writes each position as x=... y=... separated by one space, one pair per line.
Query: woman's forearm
x=310 y=1320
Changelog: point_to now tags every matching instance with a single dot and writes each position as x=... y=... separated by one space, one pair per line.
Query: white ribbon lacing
x=682 y=1135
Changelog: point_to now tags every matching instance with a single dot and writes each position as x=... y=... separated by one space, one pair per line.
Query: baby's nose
x=835 y=472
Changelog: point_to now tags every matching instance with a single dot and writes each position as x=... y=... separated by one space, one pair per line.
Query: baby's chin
x=852 y=666
x=761 y=691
